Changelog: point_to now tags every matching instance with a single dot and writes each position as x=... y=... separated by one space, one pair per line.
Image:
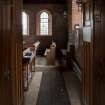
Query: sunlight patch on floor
x=32 y=93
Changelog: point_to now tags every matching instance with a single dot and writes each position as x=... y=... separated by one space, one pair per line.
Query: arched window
x=44 y=23
x=25 y=23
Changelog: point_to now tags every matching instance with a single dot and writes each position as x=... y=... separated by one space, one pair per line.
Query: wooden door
x=17 y=52
x=5 y=54
x=99 y=53
x=11 y=90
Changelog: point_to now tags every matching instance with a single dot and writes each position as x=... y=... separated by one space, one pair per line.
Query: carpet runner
x=52 y=90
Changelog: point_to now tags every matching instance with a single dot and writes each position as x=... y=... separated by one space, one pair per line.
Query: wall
x=76 y=14
x=75 y=17
x=59 y=24
x=83 y=46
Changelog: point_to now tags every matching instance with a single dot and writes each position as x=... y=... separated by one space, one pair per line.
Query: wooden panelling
x=87 y=71
x=11 y=89
x=5 y=62
x=99 y=52
x=17 y=52
x=93 y=52
x=87 y=76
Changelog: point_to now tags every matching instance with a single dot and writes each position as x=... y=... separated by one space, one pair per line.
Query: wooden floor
x=73 y=86
x=32 y=93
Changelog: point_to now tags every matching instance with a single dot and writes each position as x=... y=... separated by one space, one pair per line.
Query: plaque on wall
x=87 y=34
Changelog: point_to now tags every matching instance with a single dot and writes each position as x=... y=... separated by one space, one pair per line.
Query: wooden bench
x=29 y=55
x=25 y=73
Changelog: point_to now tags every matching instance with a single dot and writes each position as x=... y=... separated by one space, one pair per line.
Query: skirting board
x=77 y=69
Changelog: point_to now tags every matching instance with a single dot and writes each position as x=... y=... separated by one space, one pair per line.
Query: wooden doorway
x=11 y=89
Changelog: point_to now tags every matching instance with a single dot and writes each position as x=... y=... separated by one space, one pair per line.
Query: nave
x=68 y=36
x=66 y=90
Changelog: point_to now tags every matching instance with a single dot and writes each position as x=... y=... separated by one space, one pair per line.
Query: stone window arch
x=44 y=23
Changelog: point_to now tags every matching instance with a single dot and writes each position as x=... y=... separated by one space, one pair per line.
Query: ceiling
x=44 y=1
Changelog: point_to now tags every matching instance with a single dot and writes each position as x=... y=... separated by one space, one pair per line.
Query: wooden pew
x=50 y=54
x=29 y=55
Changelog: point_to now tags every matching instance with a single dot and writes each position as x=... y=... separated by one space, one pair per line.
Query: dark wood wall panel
x=87 y=52
x=11 y=87
x=5 y=81
x=87 y=77
x=94 y=66
x=99 y=52
x=93 y=52
x=16 y=13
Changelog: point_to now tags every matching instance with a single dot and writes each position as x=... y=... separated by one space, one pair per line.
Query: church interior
x=52 y=52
